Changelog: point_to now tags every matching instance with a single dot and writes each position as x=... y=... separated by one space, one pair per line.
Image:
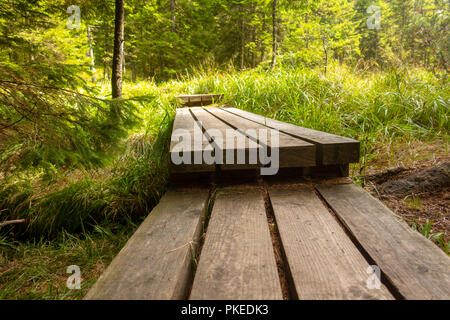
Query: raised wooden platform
x=200 y=99
x=296 y=235
x=298 y=147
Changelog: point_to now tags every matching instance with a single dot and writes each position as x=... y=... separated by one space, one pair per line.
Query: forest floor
x=417 y=189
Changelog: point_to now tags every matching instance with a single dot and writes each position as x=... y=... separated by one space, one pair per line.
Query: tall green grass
x=377 y=108
x=36 y=269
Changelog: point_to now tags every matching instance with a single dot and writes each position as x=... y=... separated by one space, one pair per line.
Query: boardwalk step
x=213 y=131
x=156 y=262
x=237 y=260
x=324 y=256
x=200 y=99
x=416 y=267
x=323 y=261
x=225 y=133
x=331 y=149
x=293 y=152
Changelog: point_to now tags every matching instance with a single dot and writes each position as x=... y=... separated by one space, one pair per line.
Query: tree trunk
x=116 y=78
x=307 y=30
x=325 y=50
x=253 y=48
x=262 y=47
x=242 y=45
x=133 y=71
x=124 y=70
x=91 y=54
x=274 y=33
x=174 y=17
x=241 y=13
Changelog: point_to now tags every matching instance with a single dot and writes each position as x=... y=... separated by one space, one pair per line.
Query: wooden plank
x=331 y=149
x=324 y=263
x=200 y=99
x=184 y=120
x=415 y=266
x=237 y=261
x=156 y=262
x=209 y=122
x=293 y=152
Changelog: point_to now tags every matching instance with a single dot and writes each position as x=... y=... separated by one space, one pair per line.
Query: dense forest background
x=166 y=38
x=81 y=165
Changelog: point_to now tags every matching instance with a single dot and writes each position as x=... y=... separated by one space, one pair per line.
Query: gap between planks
x=323 y=261
x=216 y=128
x=416 y=267
x=156 y=262
x=330 y=149
x=237 y=260
x=293 y=151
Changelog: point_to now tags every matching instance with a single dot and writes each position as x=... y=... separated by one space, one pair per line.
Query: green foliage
x=413 y=203
x=129 y=188
x=167 y=37
x=38 y=48
x=171 y=37
x=414 y=32
x=317 y=28
x=437 y=237
x=49 y=127
x=50 y=116
x=37 y=269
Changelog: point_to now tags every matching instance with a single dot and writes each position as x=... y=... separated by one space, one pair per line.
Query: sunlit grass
x=378 y=109
x=391 y=113
x=38 y=269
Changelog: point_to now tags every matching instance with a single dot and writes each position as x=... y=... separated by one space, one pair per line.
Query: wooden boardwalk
x=307 y=233
x=200 y=99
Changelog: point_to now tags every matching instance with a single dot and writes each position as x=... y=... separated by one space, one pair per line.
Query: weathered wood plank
x=293 y=152
x=237 y=260
x=156 y=262
x=185 y=121
x=323 y=261
x=200 y=99
x=209 y=123
x=331 y=149
x=415 y=266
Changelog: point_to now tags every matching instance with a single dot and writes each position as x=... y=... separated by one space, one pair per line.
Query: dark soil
x=285 y=283
x=416 y=194
x=426 y=181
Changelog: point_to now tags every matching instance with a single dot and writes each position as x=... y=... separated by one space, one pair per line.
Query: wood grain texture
x=200 y=99
x=237 y=261
x=185 y=121
x=330 y=149
x=324 y=263
x=156 y=262
x=293 y=152
x=210 y=122
x=415 y=266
